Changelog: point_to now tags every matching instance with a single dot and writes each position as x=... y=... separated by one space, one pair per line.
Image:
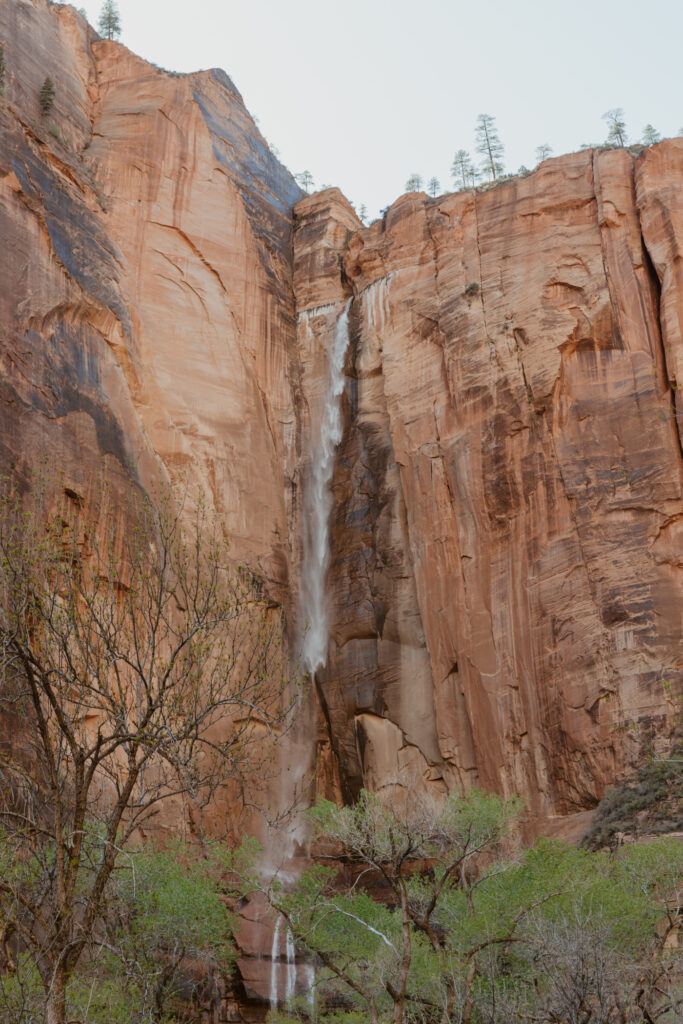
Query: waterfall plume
x=325 y=438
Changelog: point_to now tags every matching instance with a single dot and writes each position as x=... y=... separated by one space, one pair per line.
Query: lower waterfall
x=274 y=963
x=290 y=967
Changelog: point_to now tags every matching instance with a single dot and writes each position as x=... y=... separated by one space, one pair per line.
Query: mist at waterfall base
x=318 y=504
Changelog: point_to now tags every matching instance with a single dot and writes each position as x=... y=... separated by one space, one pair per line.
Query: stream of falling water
x=290 y=960
x=318 y=503
x=274 y=953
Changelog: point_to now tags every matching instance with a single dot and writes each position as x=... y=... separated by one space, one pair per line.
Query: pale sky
x=364 y=92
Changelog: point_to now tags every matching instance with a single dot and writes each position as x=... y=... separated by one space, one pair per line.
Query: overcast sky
x=364 y=92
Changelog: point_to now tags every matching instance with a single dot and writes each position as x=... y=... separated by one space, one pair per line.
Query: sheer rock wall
x=507 y=535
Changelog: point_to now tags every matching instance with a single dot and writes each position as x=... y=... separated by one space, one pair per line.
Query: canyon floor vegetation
x=435 y=918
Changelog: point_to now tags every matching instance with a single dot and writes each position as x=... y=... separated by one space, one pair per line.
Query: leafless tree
x=136 y=668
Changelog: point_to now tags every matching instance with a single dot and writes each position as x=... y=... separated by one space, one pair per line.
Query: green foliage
x=650 y=135
x=47 y=96
x=22 y=999
x=165 y=908
x=543 y=152
x=462 y=171
x=414 y=183
x=489 y=147
x=616 y=127
x=433 y=187
x=653 y=802
x=109 y=24
x=305 y=180
x=435 y=923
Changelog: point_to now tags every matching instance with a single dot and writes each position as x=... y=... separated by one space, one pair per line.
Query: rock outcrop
x=507 y=534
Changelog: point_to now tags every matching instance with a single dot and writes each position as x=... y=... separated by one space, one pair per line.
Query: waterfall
x=290 y=957
x=274 y=964
x=309 y=975
x=291 y=966
x=318 y=502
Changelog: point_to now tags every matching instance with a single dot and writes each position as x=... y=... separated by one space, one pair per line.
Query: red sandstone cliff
x=507 y=538
x=507 y=534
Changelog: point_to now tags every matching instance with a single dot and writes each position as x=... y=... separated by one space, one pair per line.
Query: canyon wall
x=506 y=536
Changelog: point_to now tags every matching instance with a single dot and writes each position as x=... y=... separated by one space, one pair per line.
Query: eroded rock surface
x=507 y=534
x=506 y=553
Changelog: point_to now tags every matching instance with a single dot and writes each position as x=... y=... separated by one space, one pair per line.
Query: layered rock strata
x=507 y=534
x=507 y=537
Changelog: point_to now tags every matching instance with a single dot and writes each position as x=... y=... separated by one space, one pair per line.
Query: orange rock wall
x=505 y=578
x=507 y=546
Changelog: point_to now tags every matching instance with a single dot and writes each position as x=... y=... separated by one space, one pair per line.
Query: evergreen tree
x=363 y=213
x=650 y=135
x=462 y=172
x=109 y=24
x=489 y=147
x=616 y=130
x=305 y=180
x=543 y=152
x=47 y=96
x=2 y=71
x=414 y=183
x=434 y=187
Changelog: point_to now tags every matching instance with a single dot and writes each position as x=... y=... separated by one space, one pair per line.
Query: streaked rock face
x=507 y=533
x=147 y=308
x=507 y=540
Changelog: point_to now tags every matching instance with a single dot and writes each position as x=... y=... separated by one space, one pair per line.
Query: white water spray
x=291 y=966
x=318 y=502
x=290 y=958
x=274 y=954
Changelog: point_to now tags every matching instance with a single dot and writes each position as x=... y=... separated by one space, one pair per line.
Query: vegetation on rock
x=47 y=96
x=109 y=23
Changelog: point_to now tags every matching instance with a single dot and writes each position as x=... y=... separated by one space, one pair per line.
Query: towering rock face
x=146 y=306
x=506 y=538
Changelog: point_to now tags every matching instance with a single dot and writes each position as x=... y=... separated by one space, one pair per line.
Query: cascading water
x=290 y=960
x=274 y=963
x=291 y=966
x=318 y=503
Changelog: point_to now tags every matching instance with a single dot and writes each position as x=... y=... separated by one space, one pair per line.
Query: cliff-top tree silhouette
x=304 y=180
x=109 y=24
x=489 y=147
x=543 y=152
x=434 y=187
x=462 y=171
x=414 y=183
x=135 y=668
x=650 y=135
x=616 y=127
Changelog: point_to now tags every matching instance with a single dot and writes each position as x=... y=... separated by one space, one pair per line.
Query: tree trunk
x=55 y=1007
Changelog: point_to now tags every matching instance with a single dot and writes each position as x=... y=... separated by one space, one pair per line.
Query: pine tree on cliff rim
x=109 y=24
x=489 y=146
